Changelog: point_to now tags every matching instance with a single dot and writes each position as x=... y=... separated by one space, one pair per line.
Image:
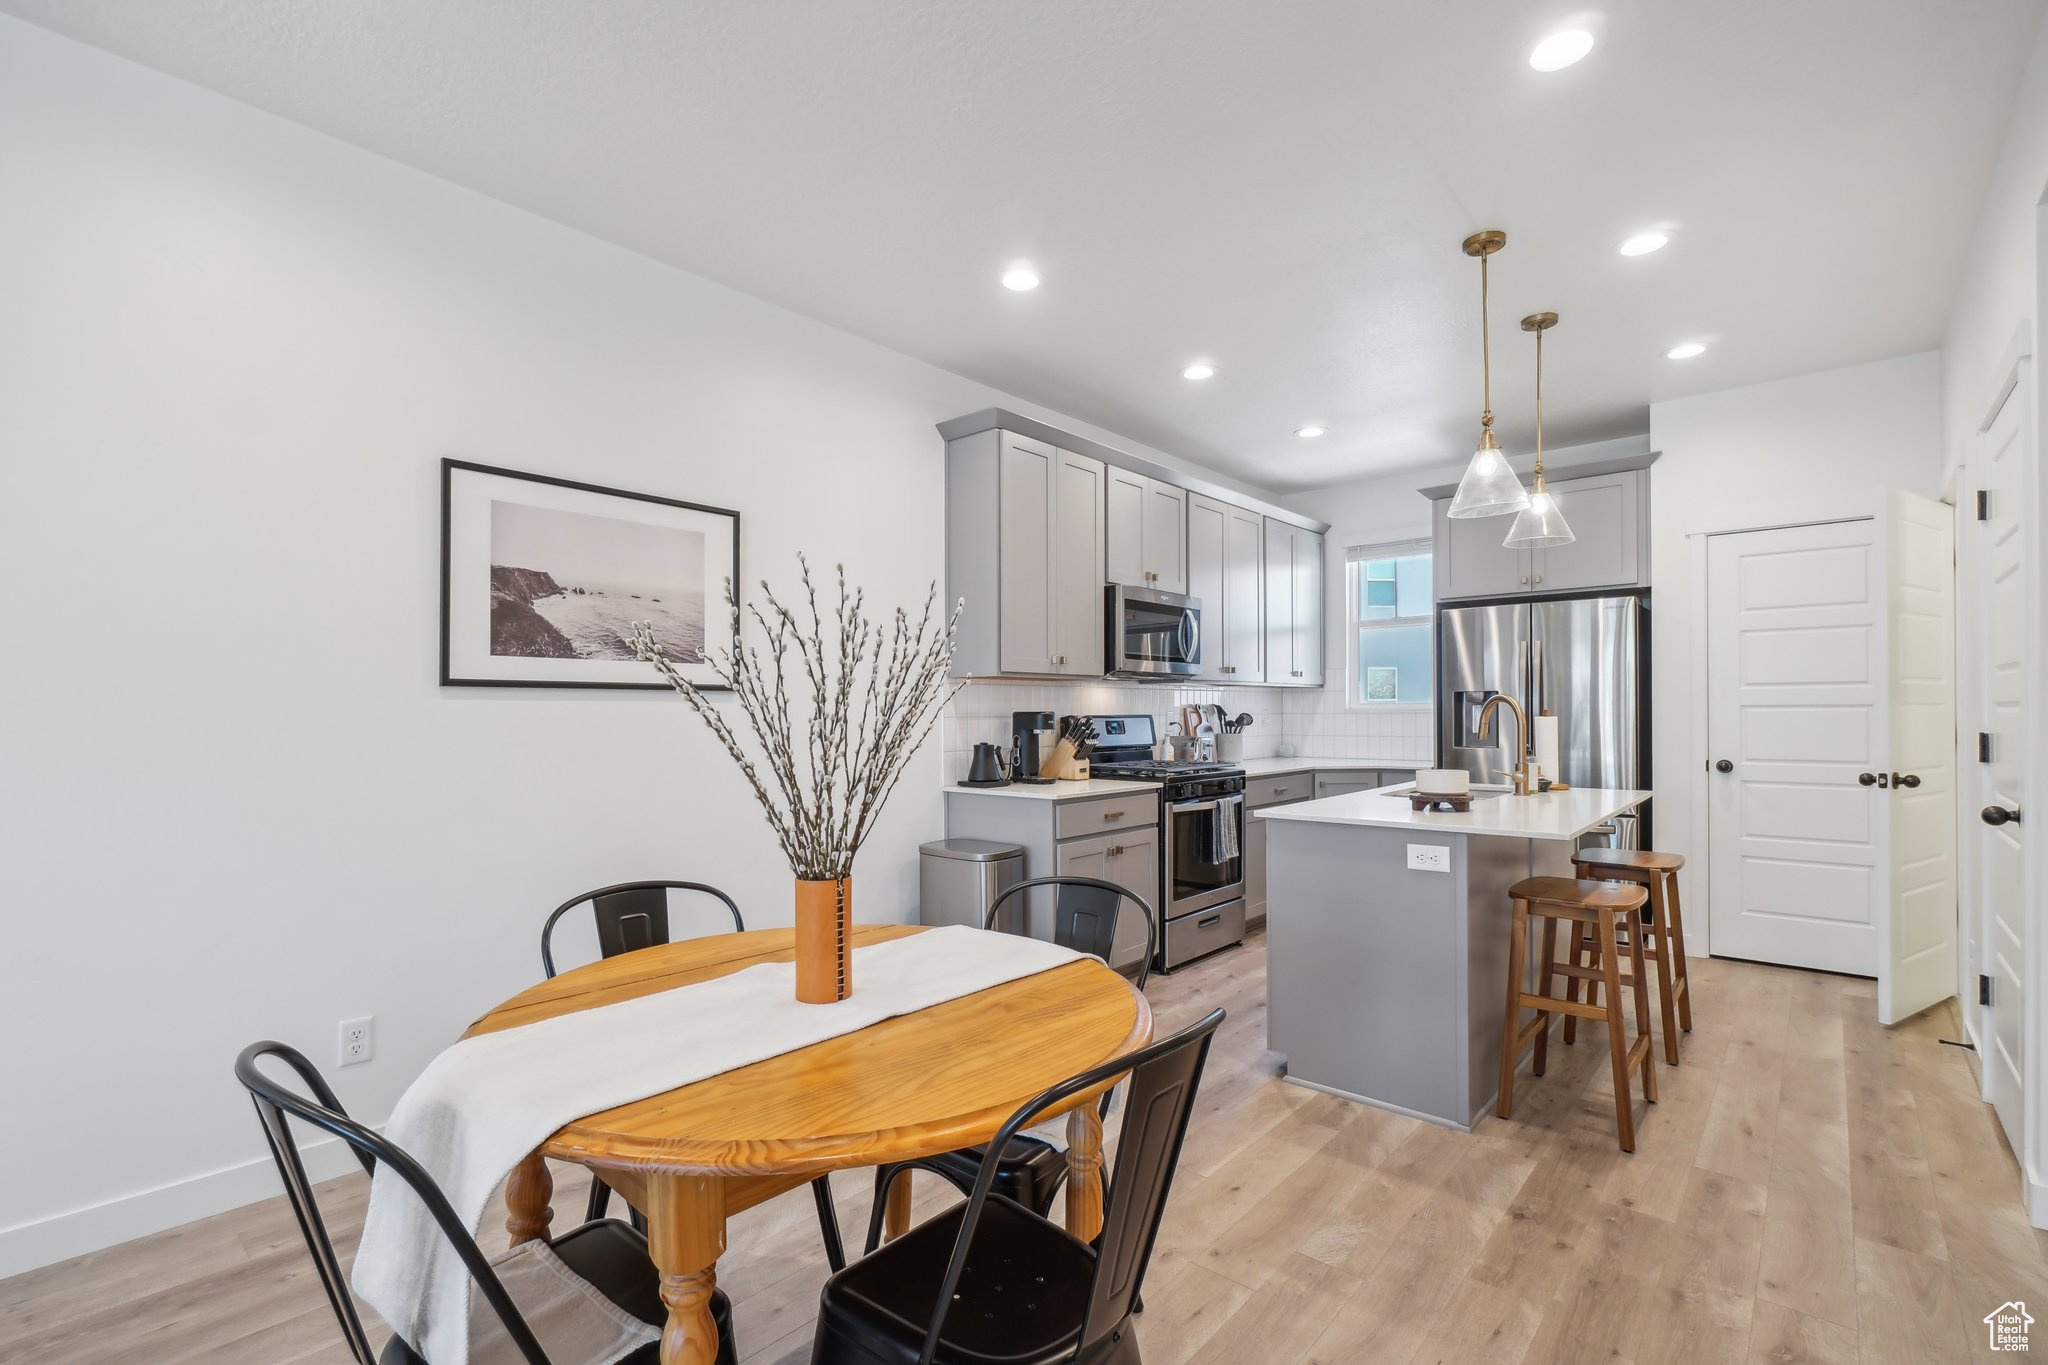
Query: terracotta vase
x=824 y=940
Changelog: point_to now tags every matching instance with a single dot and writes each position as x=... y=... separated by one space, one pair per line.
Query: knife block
x=1062 y=765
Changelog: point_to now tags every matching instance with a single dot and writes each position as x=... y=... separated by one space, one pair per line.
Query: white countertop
x=1058 y=791
x=1306 y=763
x=1553 y=815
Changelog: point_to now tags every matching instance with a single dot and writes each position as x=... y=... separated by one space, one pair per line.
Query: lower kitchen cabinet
x=1285 y=789
x=1113 y=837
x=1339 y=781
x=1130 y=859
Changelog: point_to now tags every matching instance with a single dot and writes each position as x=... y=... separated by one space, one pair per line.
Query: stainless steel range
x=1201 y=844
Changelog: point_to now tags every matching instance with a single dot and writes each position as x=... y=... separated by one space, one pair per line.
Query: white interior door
x=1796 y=681
x=1997 y=589
x=1917 y=962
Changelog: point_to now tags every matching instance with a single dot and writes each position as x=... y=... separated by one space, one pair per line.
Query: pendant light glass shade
x=1489 y=488
x=1540 y=524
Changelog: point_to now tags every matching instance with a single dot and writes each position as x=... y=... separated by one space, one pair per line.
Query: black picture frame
x=453 y=673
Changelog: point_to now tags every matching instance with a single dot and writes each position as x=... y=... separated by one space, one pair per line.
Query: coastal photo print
x=542 y=579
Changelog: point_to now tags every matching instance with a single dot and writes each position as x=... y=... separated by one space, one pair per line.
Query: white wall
x=233 y=802
x=1794 y=450
x=1996 y=296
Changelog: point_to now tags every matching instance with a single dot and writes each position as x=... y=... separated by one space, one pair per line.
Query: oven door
x=1204 y=853
x=1154 y=633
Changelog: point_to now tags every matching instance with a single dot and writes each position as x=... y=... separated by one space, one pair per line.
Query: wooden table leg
x=896 y=1213
x=1084 y=1172
x=686 y=1236
x=526 y=1200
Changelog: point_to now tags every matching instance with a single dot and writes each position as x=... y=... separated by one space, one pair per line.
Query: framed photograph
x=541 y=580
x=1382 y=684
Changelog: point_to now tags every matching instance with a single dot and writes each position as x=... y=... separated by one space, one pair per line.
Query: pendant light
x=1540 y=524
x=1489 y=488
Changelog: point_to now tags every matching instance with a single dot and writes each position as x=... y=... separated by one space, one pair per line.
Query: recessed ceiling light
x=1560 y=50
x=1201 y=369
x=1020 y=276
x=1685 y=351
x=1310 y=433
x=1643 y=243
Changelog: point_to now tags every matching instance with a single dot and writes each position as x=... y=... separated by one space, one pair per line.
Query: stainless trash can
x=959 y=878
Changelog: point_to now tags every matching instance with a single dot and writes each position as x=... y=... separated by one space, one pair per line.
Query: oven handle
x=1197 y=807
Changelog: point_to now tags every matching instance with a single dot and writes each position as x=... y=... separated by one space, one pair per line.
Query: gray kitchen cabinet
x=1294 y=605
x=1024 y=548
x=1146 y=532
x=1077 y=569
x=1226 y=570
x=1115 y=838
x=1609 y=515
x=1259 y=794
x=1128 y=858
x=1337 y=782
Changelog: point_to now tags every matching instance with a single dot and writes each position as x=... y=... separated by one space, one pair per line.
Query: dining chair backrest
x=1163 y=1079
x=323 y=1111
x=1085 y=911
x=630 y=915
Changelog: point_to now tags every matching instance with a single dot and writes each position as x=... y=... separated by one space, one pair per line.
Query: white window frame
x=1354 y=684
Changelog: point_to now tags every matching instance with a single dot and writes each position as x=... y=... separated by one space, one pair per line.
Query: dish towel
x=485 y=1104
x=1223 y=828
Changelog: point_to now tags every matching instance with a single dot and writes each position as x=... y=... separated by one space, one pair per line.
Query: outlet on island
x=357 y=1042
x=1429 y=858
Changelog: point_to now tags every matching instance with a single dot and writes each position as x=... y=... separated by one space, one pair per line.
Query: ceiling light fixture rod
x=1489 y=488
x=1541 y=524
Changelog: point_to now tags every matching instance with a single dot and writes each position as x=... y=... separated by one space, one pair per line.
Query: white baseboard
x=29 y=1246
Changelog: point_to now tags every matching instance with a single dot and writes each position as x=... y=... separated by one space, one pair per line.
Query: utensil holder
x=1229 y=748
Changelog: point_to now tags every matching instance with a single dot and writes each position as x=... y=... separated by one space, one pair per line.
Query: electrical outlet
x=1429 y=858
x=358 y=1041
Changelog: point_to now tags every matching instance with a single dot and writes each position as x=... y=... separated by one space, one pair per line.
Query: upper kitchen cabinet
x=1294 y=605
x=1024 y=547
x=1609 y=514
x=1226 y=572
x=1147 y=532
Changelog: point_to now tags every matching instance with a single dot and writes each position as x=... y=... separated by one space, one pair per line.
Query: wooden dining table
x=912 y=1086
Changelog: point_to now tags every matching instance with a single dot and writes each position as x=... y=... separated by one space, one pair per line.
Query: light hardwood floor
x=1811 y=1187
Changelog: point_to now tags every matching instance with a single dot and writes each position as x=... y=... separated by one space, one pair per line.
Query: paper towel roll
x=1543 y=746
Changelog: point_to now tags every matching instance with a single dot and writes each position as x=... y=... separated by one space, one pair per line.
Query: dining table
x=911 y=1086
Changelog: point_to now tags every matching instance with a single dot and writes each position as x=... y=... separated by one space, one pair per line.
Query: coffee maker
x=1025 y=727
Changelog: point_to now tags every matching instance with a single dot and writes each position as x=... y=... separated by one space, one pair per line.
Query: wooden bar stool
x=1656 y=873
x=1603 y=908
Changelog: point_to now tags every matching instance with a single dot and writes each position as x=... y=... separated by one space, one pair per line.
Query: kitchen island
x=1387 y=937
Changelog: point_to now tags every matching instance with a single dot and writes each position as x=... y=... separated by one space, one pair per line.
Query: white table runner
x=486 y=1103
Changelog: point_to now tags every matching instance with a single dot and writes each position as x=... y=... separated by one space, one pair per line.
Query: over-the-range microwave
x=1152 y=634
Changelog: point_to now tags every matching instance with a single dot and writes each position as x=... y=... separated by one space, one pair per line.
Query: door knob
x=1867 y=779
x=1905 y=779
x=1999 y=815
x=1724 y=766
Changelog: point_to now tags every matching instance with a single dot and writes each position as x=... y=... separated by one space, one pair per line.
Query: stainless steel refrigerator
x=1584 y=659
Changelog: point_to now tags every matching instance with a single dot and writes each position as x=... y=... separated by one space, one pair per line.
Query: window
x=1392 y=620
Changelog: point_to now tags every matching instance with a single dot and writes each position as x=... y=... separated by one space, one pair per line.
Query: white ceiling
x=1278 y=187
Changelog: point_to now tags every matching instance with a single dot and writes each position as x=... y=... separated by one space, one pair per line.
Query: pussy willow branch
x=876 y=690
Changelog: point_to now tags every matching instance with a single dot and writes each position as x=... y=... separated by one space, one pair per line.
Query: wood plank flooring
x=1811 y=1187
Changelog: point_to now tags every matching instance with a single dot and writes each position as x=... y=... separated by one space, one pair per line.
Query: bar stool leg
x=1518 y=945
x=1642 y=994
x=1660 y=911
x=1617 y=1044
x=1674 y=938
x=1544 y=975
x=1571 y=983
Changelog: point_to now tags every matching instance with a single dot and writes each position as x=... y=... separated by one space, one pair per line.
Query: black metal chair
x=631 y=916
x=607 y=1253
x=1032 y=1170
x=989 y=1280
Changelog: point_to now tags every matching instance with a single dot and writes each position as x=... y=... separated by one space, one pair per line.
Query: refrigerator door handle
x=1535 y=677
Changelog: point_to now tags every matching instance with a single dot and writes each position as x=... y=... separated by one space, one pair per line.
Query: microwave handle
x=1190 y=635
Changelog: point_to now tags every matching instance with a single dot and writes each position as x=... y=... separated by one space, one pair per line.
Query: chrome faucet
x=1523 y=777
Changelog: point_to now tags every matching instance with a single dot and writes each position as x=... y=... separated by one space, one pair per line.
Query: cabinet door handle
x=1539 y=578
x=1114 y=814
x=1115 y=850
x=1279 y=791
x=1525 y=578
x=1062 y=659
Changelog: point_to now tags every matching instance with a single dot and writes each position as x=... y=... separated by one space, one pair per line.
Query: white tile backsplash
x=1312 y=721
